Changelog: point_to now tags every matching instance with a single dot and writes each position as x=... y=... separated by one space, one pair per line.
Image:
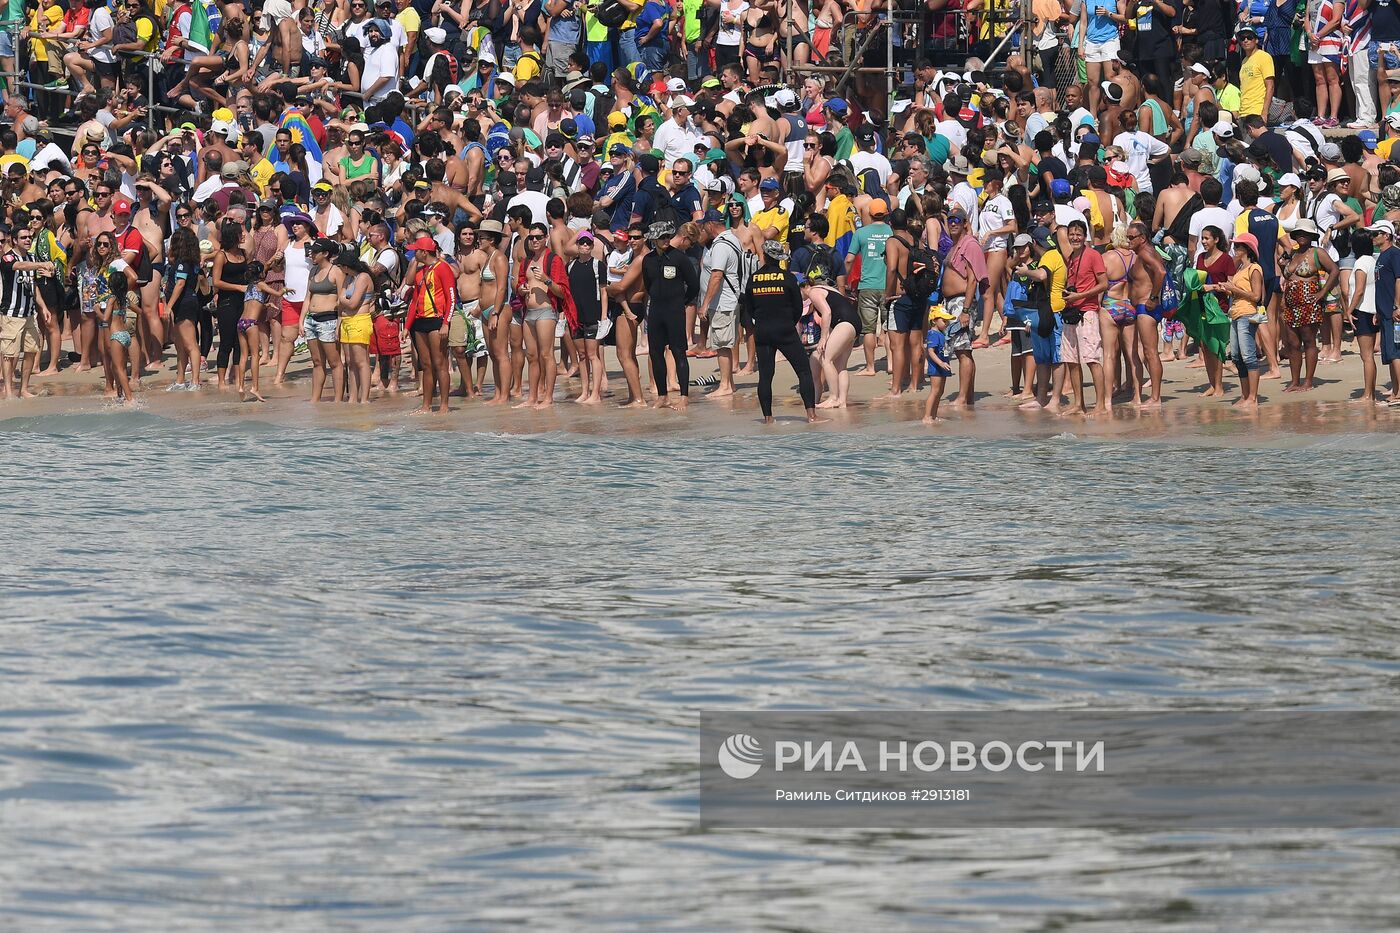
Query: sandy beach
x=1331 y=408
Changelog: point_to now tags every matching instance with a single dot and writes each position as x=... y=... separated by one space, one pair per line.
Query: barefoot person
x=964 y=273
x=1243 y=294
x=939 y=369
x=264 y=291
x=495 y=313
x=840 y=323
x=1118 y=318
x=356 y=306
x=1086 y=279
x=183 y=301
x=1218 y=267
x=1147 y=276
x=22 y=312
x=543 y=282
x=117 y=321
x=321 y=320
x=772 y=305
x=1308 y=274
x=588 y=279
x=433 y=297
x=626 y=289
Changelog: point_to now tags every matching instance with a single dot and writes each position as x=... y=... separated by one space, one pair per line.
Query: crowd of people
x=513 y=195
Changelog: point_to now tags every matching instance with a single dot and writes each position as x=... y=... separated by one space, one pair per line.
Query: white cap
x=1200 y=69
x=435 y=34
x=1289 y=178
x=900 y=106
x=1246 y=173
x=785 y=97
x=676 y=85
x=1382 y=226
x=1223 y=130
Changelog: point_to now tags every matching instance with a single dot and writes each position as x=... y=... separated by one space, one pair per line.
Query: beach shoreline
x=1330 y=408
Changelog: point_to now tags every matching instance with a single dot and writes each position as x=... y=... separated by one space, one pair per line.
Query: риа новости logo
x=740 y=756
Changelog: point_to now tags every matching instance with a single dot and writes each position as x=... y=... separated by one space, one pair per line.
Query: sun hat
x=1248 y=240
x=939 y=313
x=1306 y=227
x=295 y=217
x=1336 y=175
x=491 y=226
x=661 y=230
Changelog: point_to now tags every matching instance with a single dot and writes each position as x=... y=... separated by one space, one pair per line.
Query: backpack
x=535 y=56
x=922 y=280
x=612 y=13
x=745 y=265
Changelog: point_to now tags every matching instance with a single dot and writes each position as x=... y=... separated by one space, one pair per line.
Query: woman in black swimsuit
x=840 y=324
x=230 y=284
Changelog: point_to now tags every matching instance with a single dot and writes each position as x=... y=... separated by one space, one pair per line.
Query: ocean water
x=280 y=677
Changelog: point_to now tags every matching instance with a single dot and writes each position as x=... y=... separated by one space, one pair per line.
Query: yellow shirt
x=262 y=173
x=410 y=20
x=43 y=21
x=1254 y=71
x=527 y=68
x=1055 y=263
x=776 y=218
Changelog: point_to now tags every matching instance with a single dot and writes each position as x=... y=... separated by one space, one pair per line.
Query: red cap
x=121 y=206
x=423 y=242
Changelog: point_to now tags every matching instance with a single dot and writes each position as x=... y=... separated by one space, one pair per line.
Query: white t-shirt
x=995 y=214
x=731 y=34
x=298 y=273
x=1065 y=215
x=379 y=63
x=862 y=160
x=1326 y=215
x=953 y=130
x=1367 y=264
x=388 y=260
x=676 y=141
x=536 y=201
x=101 y=21
x=1139 y=147
x=1211 y=217
x=49 y=156
x=966 y=196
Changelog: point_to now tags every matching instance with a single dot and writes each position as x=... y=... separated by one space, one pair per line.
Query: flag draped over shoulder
x=296 y=124
x=200 y=36
x=1200 y=314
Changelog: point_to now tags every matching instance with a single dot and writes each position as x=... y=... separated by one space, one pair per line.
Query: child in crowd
x=939 y=369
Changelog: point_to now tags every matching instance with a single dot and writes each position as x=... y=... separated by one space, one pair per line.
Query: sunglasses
x=956 y=221
x=535 y=236
x=680 y=172
x=183 y=216
x=809 y=145
x=104 y=194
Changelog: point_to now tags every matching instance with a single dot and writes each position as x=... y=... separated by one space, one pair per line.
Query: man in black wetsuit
x=672 y=282
x=771 y=306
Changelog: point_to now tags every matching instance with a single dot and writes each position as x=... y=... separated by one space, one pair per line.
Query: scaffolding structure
x=910 y=31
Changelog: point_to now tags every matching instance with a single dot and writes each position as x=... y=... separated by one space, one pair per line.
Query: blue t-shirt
x=937 y=341
x=1387 y=271
x=1101 y=28
x=652 y=12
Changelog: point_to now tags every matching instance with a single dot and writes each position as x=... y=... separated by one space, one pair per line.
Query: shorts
x=324 y=331
x=1081 y=343
x=122 y=337
x=107 y=69
x=869 y=303
x=959 y=336
x=540 y=314
x=1390 y=347
x=1101 y=51
x=907 y=315
x=291 y=313
x=1366 y=325
x=7 y=43
x=457 y=327
x=426 y=325
x=19 y=335
x=387 y=339
x=357 y=329
x=1046 y=349
x=724 y=330
x=1270 y=290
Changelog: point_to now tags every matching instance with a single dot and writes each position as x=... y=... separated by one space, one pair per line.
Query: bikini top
x=488 y=274
x=321 y=286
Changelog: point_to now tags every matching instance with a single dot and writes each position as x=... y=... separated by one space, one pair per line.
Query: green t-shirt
x=845 y=144
x=691 y=8
x=869 y=244
x=938 y=148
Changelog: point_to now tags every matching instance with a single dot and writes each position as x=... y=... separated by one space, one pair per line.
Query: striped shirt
x=16 y=287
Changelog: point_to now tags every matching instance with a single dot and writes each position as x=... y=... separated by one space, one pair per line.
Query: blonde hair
x=1118 y=237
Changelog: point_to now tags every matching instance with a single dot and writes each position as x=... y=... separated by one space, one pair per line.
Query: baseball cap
x=785 y=97
x=423 y=242
x=1223 y=130
x=712 y=216
x=323 y=186
x=1112 y=91
x=676 y=85
x=1382 y=226
x=617 y=118
x=1290 y=178
x=866 y=133
x=714 y=155
x=939 y=313
x=1022 y=239
x=769 y=184
x=709 y=82
x=1088 y=139
x=1060 y=187
x=649 y=163
x=837 y=105
x=879 y=207
x=619 y=149
x=775 y=249
x=1368 y=138
x=435 y=34
x=323 y=245
x=1330 y=152
x=121 y=206
x=681 y=100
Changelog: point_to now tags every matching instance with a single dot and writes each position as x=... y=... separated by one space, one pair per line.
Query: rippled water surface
x=284 y=678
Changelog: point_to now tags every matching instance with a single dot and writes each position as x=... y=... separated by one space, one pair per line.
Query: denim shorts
x=1244 y=348
x=324 y=331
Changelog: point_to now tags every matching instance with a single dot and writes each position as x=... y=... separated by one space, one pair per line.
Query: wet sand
x=1331 y=408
